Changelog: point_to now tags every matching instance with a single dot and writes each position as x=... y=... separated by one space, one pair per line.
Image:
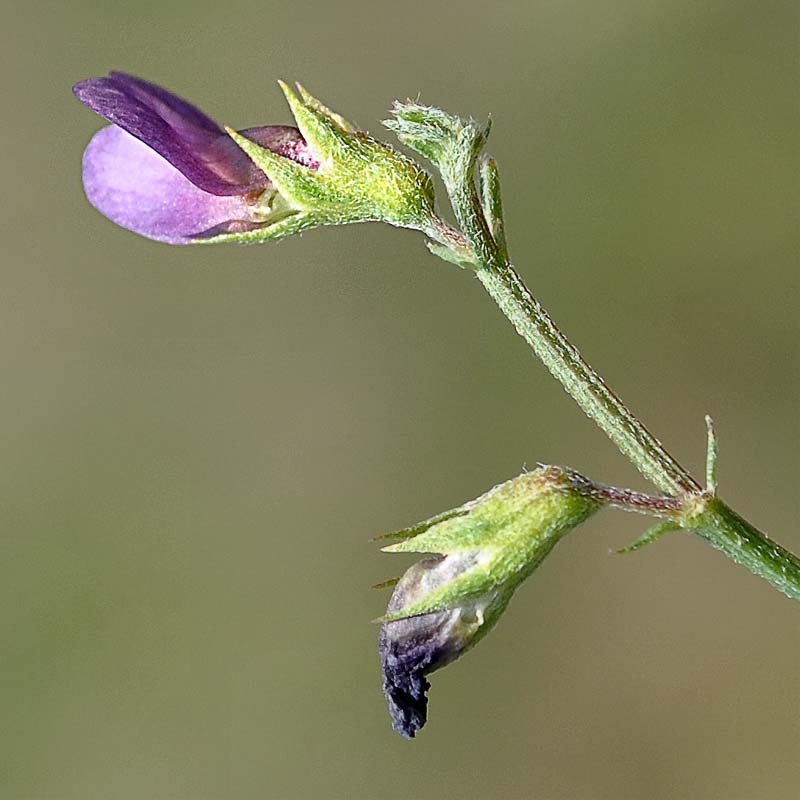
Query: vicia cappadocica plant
x=167 y=171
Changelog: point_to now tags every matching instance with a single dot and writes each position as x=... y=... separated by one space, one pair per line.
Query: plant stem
x=480 y=243
x=557 y=353
x=708 y=517
x=480 y=217
x=725 y=530
x=585 y=386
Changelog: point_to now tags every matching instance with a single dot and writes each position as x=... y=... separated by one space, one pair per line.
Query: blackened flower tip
x=406 y=696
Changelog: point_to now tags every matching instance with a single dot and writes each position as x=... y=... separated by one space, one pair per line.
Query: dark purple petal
x=151 y=94
x=178 y=131
x=135 y=187
x=187 y=138
x=184 y=136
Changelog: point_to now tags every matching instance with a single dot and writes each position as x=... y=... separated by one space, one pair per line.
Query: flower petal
x=180 y=132
x=135 y=187
x=284 y=140
x=150 y=94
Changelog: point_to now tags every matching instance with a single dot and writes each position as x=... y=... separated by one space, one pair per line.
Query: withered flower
x=481 y=551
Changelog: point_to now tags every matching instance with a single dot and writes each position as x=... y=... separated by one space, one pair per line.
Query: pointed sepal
x=421 y=527
x=324 y=135
x=651 y=535
x=337 y=119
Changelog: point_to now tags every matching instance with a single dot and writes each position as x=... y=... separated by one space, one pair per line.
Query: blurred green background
x=200 y=442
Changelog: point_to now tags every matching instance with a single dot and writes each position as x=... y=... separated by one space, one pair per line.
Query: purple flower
x=167 y=171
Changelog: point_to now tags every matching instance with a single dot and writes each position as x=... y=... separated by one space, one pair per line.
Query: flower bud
x=481 y=551
x=166 y=170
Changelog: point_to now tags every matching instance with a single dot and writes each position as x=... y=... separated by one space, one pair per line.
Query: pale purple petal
x=135 y=187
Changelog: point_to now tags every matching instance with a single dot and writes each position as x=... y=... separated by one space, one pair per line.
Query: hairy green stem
x=585 y=386
x=725 y=530
x=478 y=215
x=557 y=353
x=481 y=244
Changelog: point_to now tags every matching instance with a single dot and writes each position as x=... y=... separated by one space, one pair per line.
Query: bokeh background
x=199 y=442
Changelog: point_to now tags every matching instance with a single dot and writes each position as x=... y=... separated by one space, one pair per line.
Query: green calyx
x=359 y=179
x=499 y=538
